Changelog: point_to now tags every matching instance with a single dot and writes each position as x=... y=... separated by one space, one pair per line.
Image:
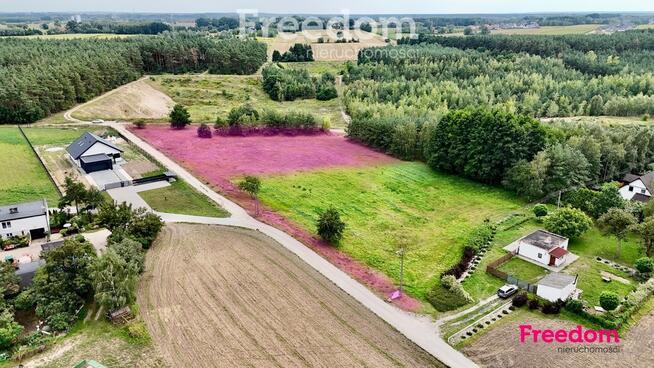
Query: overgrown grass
x=22 y=178
x=523 y=270
x=210 y=96
x=181 y=198
x=381 y=205
x=318 y=67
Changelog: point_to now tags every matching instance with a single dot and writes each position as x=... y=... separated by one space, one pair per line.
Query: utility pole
x=558 y=203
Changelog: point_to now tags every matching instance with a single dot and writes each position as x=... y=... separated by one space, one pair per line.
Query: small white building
x=25 y=218
x=93 y=153
x=557 y=286
x=637 y=188
x=544 y=247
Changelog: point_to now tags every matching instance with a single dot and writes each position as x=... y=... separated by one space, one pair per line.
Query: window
x=540 y=255
x=6 y=225
x=643 y=191
x=13 y=210
x=631 y=189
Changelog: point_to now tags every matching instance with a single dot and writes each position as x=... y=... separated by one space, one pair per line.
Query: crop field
x=551 y=30
x=22 y=178
x=225 y=297
x=328 y=51
x=500 y=347
x=138 y=100
x=386 y=205
x=210 y=96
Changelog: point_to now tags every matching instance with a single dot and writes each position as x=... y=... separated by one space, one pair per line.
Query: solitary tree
x=569 y=222
x=276 y=56
x=251 y=185
x=75 y=193
x=330 y=227
x=609 y=300
x=179 y=117
x=616 y=222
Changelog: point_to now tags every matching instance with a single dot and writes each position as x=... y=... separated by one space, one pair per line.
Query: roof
x=647 y=179
x=89 y=364
x=86 y=141
x=544 y=239
x=641 y=197
x=100 y=157
x=557 y=280
x=23 y=210
x=26 y=272
x=558 y=252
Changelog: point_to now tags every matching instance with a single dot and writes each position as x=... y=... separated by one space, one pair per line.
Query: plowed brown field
x=226 y=297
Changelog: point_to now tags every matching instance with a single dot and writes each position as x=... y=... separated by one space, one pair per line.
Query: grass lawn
x=435 y=212
x=40 y=136
x=591 y=283
x=593 y=244
x=23 y=178
x=180 y=198
x=210 y=96
x=551 y=30
x=523 y=270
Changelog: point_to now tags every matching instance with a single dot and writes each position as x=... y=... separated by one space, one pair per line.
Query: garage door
x=97 y=166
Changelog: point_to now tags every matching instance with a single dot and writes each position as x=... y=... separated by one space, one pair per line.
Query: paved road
x=421 y=330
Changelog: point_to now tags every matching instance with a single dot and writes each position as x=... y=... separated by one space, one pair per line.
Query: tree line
x=150 y=28
x=429 y=79
x=289 y=84
x=41 y=77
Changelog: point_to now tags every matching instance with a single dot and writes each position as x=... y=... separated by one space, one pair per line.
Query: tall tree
x=616 y=222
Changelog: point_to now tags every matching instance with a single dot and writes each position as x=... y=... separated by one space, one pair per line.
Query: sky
x=330 y=7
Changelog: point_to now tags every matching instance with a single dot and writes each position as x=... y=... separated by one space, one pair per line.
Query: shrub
x=326 y=123
x=540 y=210
x=25 y=300
x=326 y=92
x=533 y=304
x=448 y=281
x=568 y=222
x=450 y=297
x=330 y=227
x=220 y=123
x=644 y=265
x=609 y=300
x=204 y=131
x=575 y=306
x=140 y=124
x=552 y=308
x=520 y=299
x=458 y=269
x=179 y=117
x=242 y=114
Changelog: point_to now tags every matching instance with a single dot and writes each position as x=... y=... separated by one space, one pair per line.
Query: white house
x=544 y=247
x=637 y=188
x=93 y=153
x=557 y=286
x=25 y=218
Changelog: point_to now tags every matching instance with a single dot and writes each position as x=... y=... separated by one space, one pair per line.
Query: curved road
x=422 y=330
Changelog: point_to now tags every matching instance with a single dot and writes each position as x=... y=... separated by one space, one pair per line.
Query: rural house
x=557 y=286
x=637 y=188
x=25 y=218
x=544 y=247
x=93 y=153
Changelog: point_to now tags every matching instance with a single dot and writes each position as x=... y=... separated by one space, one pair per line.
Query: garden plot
x=224 y=297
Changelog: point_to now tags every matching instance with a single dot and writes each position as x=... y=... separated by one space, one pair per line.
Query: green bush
x=329 y=226
x=25 y=300
x=644 y=265
x=444 y=300
x=520 y=299
x=609 y=300
x=575 y=306
x=540 y=210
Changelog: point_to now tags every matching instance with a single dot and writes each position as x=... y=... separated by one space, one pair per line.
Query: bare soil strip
x=226 y=297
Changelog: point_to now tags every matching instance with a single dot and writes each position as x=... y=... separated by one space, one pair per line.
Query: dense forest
x=41 y=77
x=117 y=27
x=414 y=101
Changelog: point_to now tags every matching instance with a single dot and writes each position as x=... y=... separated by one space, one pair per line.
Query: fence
x=492 y=269
x=151 y=179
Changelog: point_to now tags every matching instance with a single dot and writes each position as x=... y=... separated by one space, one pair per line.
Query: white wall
x=637 y=187
x=554 y=294
x=24 y=225
x=98 y=148
x=531 y=252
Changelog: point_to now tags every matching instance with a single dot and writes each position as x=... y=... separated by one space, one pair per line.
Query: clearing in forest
x=225 y=297
x=328 y=50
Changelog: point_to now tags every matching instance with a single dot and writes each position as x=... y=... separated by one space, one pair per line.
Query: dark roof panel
x=101 y=157
x=544 y=239
x=23 y=210
x=83 y=143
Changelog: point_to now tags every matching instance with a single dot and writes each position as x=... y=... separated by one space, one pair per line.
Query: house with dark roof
x=637 y=187
x=92 y=153
x=544 y=247
x=557 y=286
x=25 y=218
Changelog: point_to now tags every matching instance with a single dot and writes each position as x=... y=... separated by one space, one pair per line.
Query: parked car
x=98 y=121
x=506 y=291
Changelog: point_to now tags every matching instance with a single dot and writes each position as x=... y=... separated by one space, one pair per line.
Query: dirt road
x=225 y=297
